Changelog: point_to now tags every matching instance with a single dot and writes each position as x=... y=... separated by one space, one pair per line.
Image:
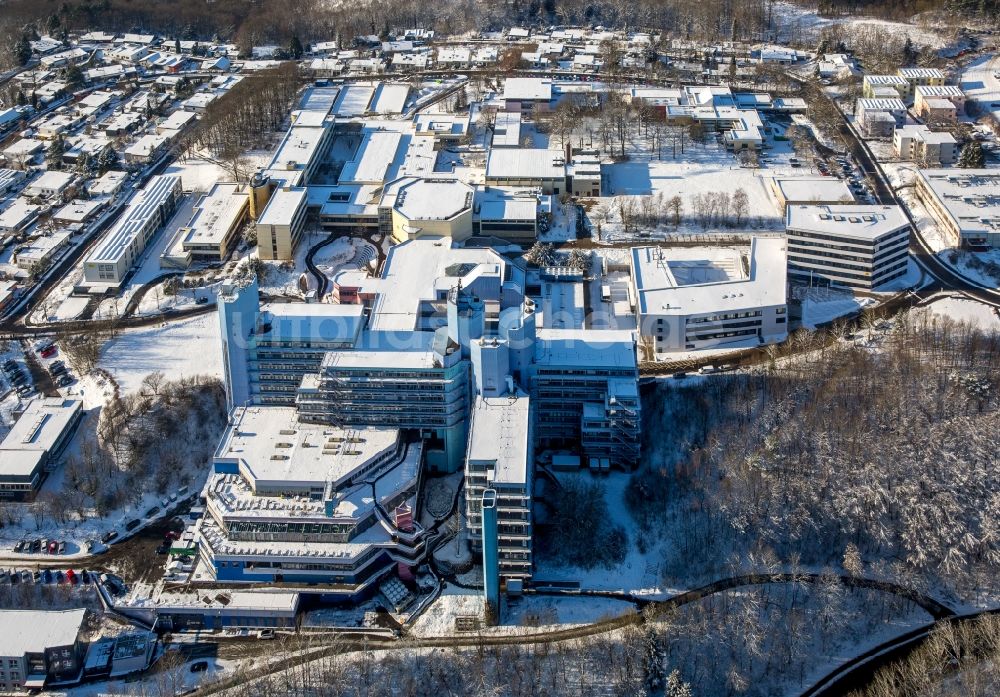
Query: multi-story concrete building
x=34 y=444
x=268 y=350
x=852 y=246
x=212 y=231
x=295 y=502
x=965 y=203
x=696 y=298
x=920 y=144
x=917 y=77
x=418 y=382
x=40 y=648
x=281 y=223
x=876 y=86
x=878 y=118
x=111 y=261
x=499 y=458
x=939 y=102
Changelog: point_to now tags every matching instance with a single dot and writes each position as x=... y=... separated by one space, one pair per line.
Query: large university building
x=445 y=351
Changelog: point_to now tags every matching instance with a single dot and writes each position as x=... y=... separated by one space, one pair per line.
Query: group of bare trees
x=958 y=660
x=891 y=451
x=243 y=117
x=144 y=442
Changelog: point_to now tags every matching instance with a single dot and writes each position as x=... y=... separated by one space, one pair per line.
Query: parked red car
x=71 y=577
x=49 y=352
x=53 y=546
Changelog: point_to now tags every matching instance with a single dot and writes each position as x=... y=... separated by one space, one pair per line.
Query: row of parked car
x=60 y=374
x=19 y=380
x=46 y=576
x=41 y=545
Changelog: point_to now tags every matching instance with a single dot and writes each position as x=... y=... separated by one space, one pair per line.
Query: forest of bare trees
x=243 y=117
x=890 y=452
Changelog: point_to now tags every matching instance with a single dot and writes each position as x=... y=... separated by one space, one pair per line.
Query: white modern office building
x=115 y=254
x=212 y=231
x=34 y=445
x=965 y=203
x=851 y=246
x=696 y=298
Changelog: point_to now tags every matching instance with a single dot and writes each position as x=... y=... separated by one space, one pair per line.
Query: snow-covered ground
x=821 y=305
x=638 y=573
x=969 y=311
x=796 y=22
x=178 y=349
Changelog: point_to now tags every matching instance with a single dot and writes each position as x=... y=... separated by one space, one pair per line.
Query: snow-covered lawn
x=969 y=311
x=177 y=349
x=439 y=618
x=638 y=573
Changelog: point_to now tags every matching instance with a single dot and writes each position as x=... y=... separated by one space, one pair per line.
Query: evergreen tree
x=55 y=153
x=74 y=76
x=972 y=156
x=108 y=159
x=295 y=49
x=22 y=51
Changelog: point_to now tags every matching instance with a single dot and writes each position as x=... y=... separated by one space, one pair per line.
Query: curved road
x=339 y=644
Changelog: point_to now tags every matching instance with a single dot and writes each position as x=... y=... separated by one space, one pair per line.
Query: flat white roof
x=433 y=199
x=319 y=323
x=298 y=148
x=77 y=210
x=107 y=183
x=707 y=280
x=412 y=273
x=499 y=434
x=353 y=100
x=525 y=163
x=865 y=222
x=527 y=88
x=33 y=631
x=390 y=98
x=282 y=207
x=807 y=189
x=215 y=214
x=971 y=197
x=568 y=348
x=374 y=157
x=274 y=446
x=51 y=179
x=17 y=214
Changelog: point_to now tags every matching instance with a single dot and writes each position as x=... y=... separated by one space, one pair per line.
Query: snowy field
x=797 y=22
x=969 y=311
x=177 y=349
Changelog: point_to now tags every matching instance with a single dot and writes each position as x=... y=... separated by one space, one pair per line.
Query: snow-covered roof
x=33 y=631
x=433 y=199
x=498 y=434
x=527 y=89
x=708 y=280
x=273 y=447
x=813 y=190
x=864 y=222
x=283 y=206
x=970 y=197
x=525 y=163
x=921 y=73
